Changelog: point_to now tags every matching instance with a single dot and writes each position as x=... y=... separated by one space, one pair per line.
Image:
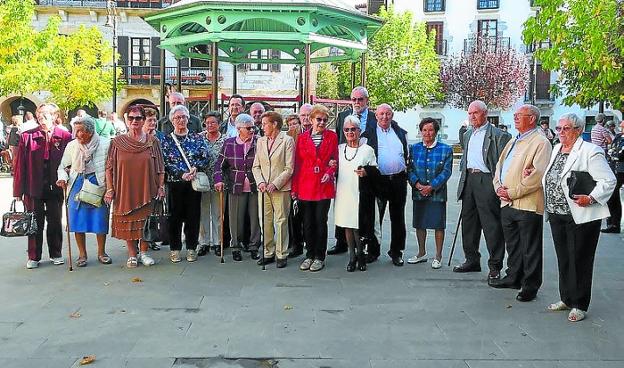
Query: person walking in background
x=37 y=158
x=103 y=127
x=616 y=160
x=518 y=185
x=600 y=135
x=430 y=168
x=575 y=220
x=482 y=146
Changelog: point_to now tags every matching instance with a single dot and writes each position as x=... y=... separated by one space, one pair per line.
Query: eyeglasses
x=358 y=99
x=517 y=115
x=321 y=120
x=247 y=127
x=348 y=130
x=565 y=128
x=131 y=118
x=180 y=117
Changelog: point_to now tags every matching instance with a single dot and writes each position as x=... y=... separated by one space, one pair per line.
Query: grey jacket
x=493 y=144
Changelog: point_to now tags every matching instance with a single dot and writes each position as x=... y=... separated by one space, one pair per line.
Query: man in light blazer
x=272 y=169
x=482 y=146
x=518 y=184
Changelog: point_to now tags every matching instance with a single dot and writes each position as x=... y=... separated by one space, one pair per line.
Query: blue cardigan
x=430 y=167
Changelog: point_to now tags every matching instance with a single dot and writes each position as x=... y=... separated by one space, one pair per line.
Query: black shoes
x=217 y=251
x=370 y=258
x=493 y=275
x=154 y=246
x=203 y=250
x=526 y=296
x=397 y=261
x=361 y=262
x=611 y=230
x=337 y=249
x=254 y=254
x=503 y=283
x=281 y=263
x=236 y=256
x=467 y=267
x=351 y=266
x=266 y=261
x=296 y=252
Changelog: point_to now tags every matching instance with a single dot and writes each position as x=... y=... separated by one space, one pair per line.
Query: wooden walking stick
x=455 y=238
x=71 y=266
x=222 y=215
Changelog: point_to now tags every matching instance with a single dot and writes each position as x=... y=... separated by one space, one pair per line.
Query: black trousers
x=295 y=228
x=184 y=208
x=396 y=195
x=523 y=236
x=481 y=211
x=315 y=227
x=615 y=204
x=575 y=246
x=48 y=208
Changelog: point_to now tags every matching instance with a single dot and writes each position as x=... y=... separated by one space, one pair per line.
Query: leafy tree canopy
x=586 y=46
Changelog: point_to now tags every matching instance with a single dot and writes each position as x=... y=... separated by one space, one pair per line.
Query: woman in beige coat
x=272 y=170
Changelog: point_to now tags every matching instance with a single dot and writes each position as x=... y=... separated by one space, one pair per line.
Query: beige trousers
x=275 y=226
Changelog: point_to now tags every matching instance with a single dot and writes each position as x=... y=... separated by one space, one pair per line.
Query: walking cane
x=71 y=266
x=262 y=233
x=455 y=238
x=221 y=219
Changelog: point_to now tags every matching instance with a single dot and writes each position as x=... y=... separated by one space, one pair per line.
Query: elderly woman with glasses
x=575 y=218
x=85 y=159
x=210 y=221
x=316 y=162
x=135 y=175
x=354 y=161
x=185 y=155
x=234 y=166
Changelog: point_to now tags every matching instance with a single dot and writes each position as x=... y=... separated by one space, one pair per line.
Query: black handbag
x=18 y=223
x=580 y=183
x=154 y=223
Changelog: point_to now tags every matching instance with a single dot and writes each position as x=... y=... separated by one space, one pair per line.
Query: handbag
x=18 y=223
x=154 y=225
x=91 y=193
x=201 y=183
x=580 y=182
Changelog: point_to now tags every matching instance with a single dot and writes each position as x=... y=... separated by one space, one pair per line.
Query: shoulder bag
x=91 y=193
x=201 y=182
x=18 y=223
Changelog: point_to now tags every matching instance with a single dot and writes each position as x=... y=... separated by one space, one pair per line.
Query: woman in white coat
x=575 y=220
x=84 y=160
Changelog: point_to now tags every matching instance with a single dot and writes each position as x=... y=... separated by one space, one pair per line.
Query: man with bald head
x=482 y=144
x=518 y=184
x=256 y=110
x=164 y=124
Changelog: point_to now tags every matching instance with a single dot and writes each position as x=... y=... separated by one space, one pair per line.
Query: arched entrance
x=22 y=103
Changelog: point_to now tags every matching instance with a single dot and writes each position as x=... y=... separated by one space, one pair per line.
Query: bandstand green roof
x=243 y=26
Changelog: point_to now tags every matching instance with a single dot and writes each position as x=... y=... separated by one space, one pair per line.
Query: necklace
x=355 y=154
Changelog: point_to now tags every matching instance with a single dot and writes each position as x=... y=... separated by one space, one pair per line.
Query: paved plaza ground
x=208 y=314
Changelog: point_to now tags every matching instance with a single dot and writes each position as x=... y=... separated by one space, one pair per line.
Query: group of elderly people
x=277 y=184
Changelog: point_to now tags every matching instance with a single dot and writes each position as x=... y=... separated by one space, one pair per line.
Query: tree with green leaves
x=585 y=41
x=402 y=67
x=329 y=88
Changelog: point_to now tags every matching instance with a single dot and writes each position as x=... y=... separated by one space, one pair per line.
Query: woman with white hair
x=234 y=167
x=575 y=218
x=185 y=154
x=84 y=160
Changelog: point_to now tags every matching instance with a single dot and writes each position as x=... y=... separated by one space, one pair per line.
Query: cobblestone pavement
x=208 y=314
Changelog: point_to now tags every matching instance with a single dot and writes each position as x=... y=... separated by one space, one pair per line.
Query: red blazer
x=311 y=163
x=29 y=173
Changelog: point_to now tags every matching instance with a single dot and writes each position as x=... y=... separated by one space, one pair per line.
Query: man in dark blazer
x=368 y=123
x=482 y=145
x=165 y=125
x=389 y=141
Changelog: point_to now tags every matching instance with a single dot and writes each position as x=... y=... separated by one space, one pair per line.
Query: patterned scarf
x=83 y=157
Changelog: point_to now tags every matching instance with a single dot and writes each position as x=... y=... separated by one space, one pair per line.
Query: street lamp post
x=111 y=21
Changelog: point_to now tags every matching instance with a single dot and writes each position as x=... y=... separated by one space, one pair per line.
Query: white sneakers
x=435 y=264
x=35 y=264
x=145 y=259
x=57 y=261
x=191 y=255
x=32 y=264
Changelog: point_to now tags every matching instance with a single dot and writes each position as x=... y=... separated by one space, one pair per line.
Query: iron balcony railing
x=486 y=44
x=441 y=47
x=138 y=4
x=150 y=75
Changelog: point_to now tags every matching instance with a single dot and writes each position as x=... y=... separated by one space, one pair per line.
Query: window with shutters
x=487 y=4
x=433 y=5
x=140 y=54
x=488 y=27
x=259 y=54
x=438 y=27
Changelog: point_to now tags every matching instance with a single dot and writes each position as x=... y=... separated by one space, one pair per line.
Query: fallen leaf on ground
x=74 y=315
x=509 y=306
x=288 y=307
x=137 y=279
x=87 y=360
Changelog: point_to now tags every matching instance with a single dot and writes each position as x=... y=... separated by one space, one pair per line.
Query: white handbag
x=201 y=183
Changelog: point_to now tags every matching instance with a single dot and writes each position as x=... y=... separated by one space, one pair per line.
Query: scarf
x=83 y=158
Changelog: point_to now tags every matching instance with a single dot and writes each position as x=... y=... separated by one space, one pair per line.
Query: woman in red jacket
x=313 y=184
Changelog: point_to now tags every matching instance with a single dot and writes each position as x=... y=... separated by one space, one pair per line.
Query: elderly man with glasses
x=166 y=126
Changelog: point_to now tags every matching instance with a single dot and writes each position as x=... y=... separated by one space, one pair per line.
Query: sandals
x=132 y=262
x=105 y=259
x=576 y=315
x=557 y=307
x=81 y=262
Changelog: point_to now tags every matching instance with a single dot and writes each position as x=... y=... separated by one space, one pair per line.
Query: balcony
x=529 y=49
x=136 y=4
x=150 y=75
x=441 y=47
x=486 y=44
